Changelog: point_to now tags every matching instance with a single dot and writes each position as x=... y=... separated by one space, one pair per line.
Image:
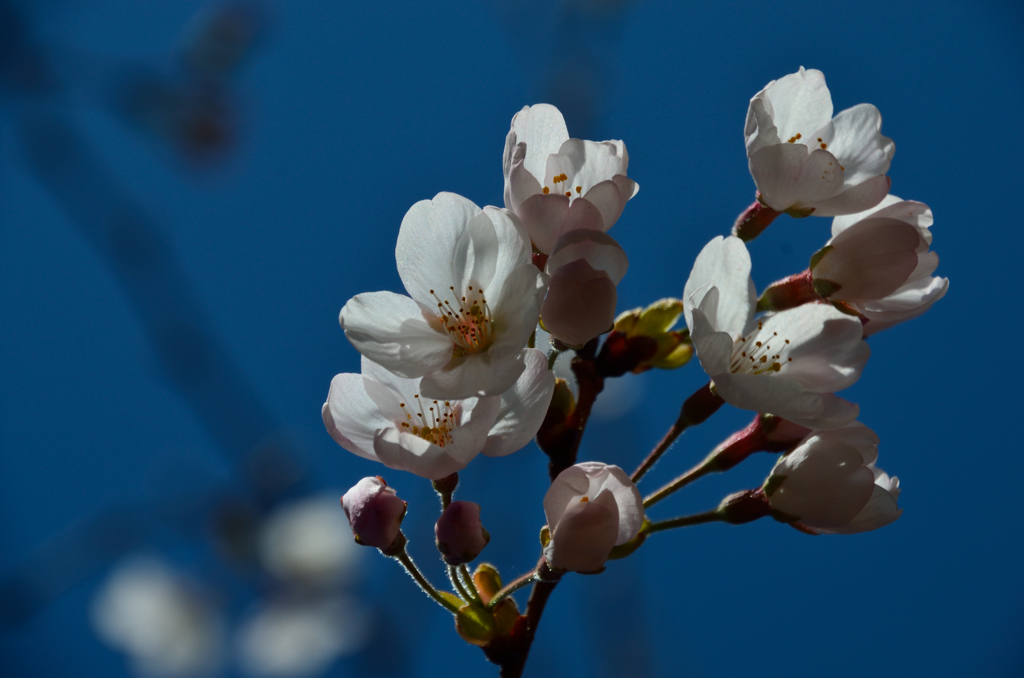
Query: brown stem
x=511 y=655
x=695 y=410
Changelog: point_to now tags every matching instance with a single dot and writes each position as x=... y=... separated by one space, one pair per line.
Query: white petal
x=519 y=183
x=406 y=452
x=770 y=394
x=860 y=197
x=800 y=103
x=759 y=130
x=585 y=535
x=907 y=303
x=514 y=253
x=566 y=489
x=825 y=345
x=714 y=349
x=473 y=375
x=391 y=329
x=853 y=137
x=475 y=255
x=427 y=243
x=542 y=128
x=825 y=484
x=516 y=311
x=523 y=407
x=351 y=417
x=724 y=263
x=776 y=171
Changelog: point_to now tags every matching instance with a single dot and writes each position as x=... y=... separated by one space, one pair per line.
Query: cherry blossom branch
x=684 y=521
x=511 y=656
x=399 y=553
x=767 y=433
x=697 y=409
x=511 y=588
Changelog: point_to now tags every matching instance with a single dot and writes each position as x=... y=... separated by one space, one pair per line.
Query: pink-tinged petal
x=598 y=249
x=891 y=207
x=426 y=243
x=542 y=128
x=568 y=487
x=714 y=349
x=585 y=535
x=391 y=330
x=825 y=352
x=475 y=375
x=724 y=263
x=523 y=407
x=881 y=510
x=548 y=217
x=627 y=497
x=825 y=486
x=777 y=170
x=609 y=197
x=406 y=452
x=351 y=417
x=853 y=136
x=871 y=260
x=580 y=304
x=907 y=303
x=861 y=197
x=800 y=103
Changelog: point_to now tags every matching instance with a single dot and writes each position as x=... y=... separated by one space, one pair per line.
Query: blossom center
x=468 y=321
x=562 y=184
x=759 y=353
x=435 y=424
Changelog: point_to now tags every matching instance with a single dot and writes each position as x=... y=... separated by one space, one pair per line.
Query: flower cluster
x=452 y=370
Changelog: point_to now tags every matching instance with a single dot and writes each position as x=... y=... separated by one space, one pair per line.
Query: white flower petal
x=825 y=486
x=580 y=304
x=871 y=260
x=598 y=249
x=853 y=137
x=548 y=217
x=585 y=535
x=523 y=407
x=724 y=263
x=351 y=417
x=800 y=103
x=860 y=197
x=825 y=345
x=427 y=242
x=714 y=349
x=542 y=128
x=880 y=510
x=391 y=329
x=473 y=375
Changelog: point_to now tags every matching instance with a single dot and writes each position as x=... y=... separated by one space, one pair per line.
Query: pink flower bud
x=460 y=534
x=374 y=511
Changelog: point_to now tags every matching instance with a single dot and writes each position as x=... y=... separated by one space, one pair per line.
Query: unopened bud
x=460 y=534
x=374 y=512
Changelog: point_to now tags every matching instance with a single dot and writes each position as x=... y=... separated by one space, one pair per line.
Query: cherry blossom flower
x=829 y=483
x=805 y=161
x=374 y=512
x=878 y=264
x=386 y=418
x=474 y=299
x=556 y=184
x=788 y=363
x=584 y=268
x=591 y=508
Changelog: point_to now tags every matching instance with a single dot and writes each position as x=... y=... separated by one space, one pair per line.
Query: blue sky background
x=351 y=112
